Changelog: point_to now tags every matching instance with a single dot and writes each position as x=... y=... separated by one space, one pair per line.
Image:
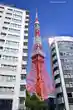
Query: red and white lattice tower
x=38 y=80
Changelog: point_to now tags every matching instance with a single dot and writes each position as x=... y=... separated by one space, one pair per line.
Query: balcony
x=24 y=62
x=24 y=71
x=27 y=23
x=13 y=38
x=1 y=43
x=23 y=82
x=22 y=106
x=7 y=83
x=58 y=90
x=8 y=62
x=56 y=73
x=25 y=54
x=26 y=29
x=12 y=46
x=25 y=47
x=9 y=53
x=27 y=15
x=6 y=93
x=60 y=100
x=54 y=58
x=22 y=93
x=2 y=37
x=57 y=81
x=7 y=72
x=26 y=34
x=25 y=40
x=6 y=96
x=55 y=65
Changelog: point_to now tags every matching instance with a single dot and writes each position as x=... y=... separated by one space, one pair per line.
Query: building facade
x=13 y=57
x=62 y=68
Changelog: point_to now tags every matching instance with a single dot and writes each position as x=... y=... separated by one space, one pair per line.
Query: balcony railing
x=59 y=89
x=57 y=80
x=60 y=100
x=22 y=107
x=4 y=92
x=23 y=93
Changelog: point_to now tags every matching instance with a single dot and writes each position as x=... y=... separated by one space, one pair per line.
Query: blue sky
x=55 y=16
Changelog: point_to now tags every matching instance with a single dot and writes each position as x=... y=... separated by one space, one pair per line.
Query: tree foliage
x=34 y=103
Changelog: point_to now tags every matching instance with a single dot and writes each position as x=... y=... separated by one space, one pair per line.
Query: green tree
x=34 y=103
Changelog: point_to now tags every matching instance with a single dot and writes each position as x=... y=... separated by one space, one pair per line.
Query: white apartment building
x=13 y=57
x=62 y=68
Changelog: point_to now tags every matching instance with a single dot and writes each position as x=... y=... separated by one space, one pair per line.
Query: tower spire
x=37 y=49
x=36 y=14
x=37 y=26
x=36 y=21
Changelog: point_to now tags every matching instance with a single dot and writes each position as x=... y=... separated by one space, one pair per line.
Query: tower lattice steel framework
x=38 y=80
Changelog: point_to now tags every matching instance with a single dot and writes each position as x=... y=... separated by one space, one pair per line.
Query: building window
x=25 y=37
x=71 y=47
x=3 y=34
x=10 y=58
x=23 y=76
x=26 y=32
x=9 y=42
x=17 y=16
x=53 y=45
x=24 y=58
x=16 y=20
x=25 y=43
x=15 y=25
x=1 y=47
x=0 y=56
x=21 y=100
x=6 y=22
x=53 y=49
x=1 y=7
x=70 y=101
x=6 y=90
x=54 y=61
x=1 y=11
x=14 y=30
x=67 y=85
x=4 y=28
x=25 y=50
x=18 y=12
x=59 y=95
x=27 y=17
x=2 y=41
x=9 y=13
x=27 y=12
x=61 y=53
x=22 y=87
x=8 y=18
x=26 y=26
x=26 y=21
x=9 y=67
x=12 y=36
x=7 y=78
x=69 y=94
x=11 y=50
x=57 y=76
x=54 y=54
x=13 y=43
x=23 y=66
x=10 y=9
x=56 y=68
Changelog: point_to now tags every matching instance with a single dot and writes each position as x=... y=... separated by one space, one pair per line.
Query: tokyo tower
x=38 y=80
